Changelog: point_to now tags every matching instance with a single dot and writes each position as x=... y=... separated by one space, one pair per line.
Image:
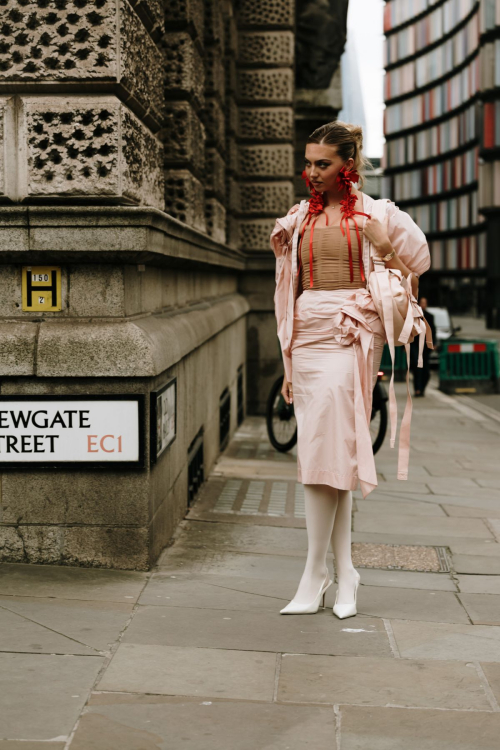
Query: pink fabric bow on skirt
x=336 y=349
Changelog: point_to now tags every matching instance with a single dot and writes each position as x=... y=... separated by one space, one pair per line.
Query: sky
x=365 y=24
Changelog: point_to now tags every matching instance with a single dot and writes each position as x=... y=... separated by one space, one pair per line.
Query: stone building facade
x=146 y=150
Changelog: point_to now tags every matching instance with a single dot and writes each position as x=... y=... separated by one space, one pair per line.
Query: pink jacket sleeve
x=408 y=240
x=280 y=240
x=283 y=231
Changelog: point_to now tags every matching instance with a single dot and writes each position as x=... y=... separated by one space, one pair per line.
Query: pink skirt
x=336 y=349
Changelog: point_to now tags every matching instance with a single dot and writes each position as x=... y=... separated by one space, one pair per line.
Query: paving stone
x=441 y=640
x=406 y=579
x=41 y=696
x=82 y=626
x=428 y=525
x=460 y=486
x=492 y=482
x=18 y=633
x=15 y=745
x=470 y=584
x=150 y=722
x=439 y=540
x=408 y=507
x=402 y=487
x=207 y=672
x=466 y=511
x=374 y=728
x=273 y=539
x=486 y=547
x=216 y=592
x=410 y=604
x=456 y=500
x=477 y=564
x=380 y=682
x=483 y=609
x=70 y=583
x=228 y=563
x=257 y=630
x=492 y=673
x=494 y=524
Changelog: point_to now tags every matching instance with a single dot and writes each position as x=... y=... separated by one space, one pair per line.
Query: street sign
x=60 y=431
x=41 y=288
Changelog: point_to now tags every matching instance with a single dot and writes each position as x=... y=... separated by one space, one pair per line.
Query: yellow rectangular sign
x=41 y=288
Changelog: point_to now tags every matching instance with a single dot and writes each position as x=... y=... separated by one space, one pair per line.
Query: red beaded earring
x=317 y=200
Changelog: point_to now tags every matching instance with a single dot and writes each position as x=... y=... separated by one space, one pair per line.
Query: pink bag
x=403 y=319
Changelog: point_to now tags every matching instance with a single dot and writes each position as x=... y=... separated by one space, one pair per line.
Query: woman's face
x=322 y=165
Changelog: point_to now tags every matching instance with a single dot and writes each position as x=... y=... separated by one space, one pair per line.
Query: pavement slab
x=492 y=674
x=410 y=604
x=257 y=630
x=406 y=579
x=483 y=609
x=467 y=511
x=442 y=640
x=18 y=633
x=478 y=584
x=374 y=728
x=380 y=682
x=22 y=745
x=41 y=696
x=95 y=625
x=478 y=564
x=62 y=582
x=464 y=501
x=405 y=507
x=487 y=547
x=165 y=722
x=243 y=538
x=187 y=670
x=397 y=523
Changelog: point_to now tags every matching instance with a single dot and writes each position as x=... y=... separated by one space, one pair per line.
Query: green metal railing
x=400 y=365
x=469 y=366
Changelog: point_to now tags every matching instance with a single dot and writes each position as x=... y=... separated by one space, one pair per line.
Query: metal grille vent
x=196 y=474
x=224 y=417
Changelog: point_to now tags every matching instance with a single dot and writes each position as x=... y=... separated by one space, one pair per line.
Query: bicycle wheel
x=280 y=419
x=378 y=425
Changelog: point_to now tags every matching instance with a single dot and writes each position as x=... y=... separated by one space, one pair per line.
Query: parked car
x=444 y=330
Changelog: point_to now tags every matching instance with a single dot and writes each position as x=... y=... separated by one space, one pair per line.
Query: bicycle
x=282 y=425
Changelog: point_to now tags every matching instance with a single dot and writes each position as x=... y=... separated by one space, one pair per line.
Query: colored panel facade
x=442 y=130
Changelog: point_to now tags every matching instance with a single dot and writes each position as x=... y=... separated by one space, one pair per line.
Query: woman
x=332 y=340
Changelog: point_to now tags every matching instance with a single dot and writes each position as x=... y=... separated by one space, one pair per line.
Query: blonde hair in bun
x=348 y=139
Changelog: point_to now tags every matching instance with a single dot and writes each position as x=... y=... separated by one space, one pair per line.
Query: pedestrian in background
x=421 y=375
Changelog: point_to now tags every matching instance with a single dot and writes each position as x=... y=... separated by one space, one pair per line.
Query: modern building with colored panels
x=442 y=150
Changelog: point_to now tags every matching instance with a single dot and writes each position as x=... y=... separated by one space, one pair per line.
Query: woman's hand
x=376 y=233
x=286 y=391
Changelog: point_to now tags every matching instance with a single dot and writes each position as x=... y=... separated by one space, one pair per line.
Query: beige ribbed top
x=331 y=259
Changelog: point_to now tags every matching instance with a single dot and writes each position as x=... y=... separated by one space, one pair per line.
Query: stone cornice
x=42 y=233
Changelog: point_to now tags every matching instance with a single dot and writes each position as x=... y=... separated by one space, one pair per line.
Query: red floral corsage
x=317 y=200
x=345 y=178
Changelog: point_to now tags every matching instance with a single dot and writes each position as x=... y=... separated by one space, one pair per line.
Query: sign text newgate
x=63 y=430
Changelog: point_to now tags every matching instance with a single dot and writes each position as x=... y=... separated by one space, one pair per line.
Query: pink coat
x=406 y=238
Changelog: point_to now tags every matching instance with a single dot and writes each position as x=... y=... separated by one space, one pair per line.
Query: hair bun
x=357 y=134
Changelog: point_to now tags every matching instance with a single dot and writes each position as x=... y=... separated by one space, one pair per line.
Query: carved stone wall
x=265 y=96
x=87 y=76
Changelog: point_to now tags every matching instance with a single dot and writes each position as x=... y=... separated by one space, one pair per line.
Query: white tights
x=328 y=518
